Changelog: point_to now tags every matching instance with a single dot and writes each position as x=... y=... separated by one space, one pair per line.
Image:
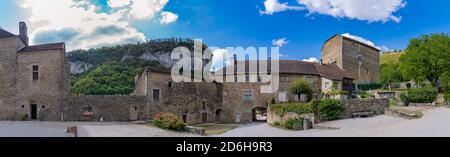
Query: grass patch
x=217 y=129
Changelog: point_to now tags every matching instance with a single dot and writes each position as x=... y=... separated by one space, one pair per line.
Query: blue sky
x=304 y=24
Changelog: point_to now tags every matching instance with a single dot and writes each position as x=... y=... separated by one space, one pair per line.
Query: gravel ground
x=58 y=129
x=435 y=123
x=126 y=130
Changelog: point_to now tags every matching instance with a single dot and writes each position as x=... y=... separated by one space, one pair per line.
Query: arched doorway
x=218 y=118
x=259 y=114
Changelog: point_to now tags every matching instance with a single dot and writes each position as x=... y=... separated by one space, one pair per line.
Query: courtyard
x=435 y=123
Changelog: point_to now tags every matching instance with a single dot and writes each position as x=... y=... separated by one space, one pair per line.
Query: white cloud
x=82 y=25
x=312 y=59
x=118 y=3
x=145 y=9
x=221 y=58
x=366 y=10
x=279 y=42
x=273 y=6
x=168 y=17
x=370 y=10
x=368 y=42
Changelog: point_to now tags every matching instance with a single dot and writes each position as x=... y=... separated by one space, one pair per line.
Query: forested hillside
x=111 y=70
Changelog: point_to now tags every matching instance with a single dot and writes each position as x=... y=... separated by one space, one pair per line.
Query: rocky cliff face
x=79 y=67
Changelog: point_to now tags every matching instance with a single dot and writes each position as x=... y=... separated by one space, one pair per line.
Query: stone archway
x=259 y=114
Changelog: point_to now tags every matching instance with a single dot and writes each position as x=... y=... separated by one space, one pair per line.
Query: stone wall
x=370 y=68
x=106 y=108
x=272 y=117
x=8 y=77
x=48 y=93
x=345 y=52
x=194 y=102
x=377 y=106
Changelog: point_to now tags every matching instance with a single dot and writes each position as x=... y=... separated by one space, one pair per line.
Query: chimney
x=23 y=32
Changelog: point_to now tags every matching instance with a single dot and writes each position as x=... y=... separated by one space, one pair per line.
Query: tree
x=300 y=87
x=426 y=58
x=390 y=73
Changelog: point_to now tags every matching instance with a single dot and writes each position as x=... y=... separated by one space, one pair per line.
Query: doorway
x=33 y=111
x=218 y=115
x=134 y=113
x=204 y=117
x=259 y=114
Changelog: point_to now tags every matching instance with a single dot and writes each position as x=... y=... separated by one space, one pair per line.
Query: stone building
x=34 y=80
x=242 y=100
x=360 y=60
x=194 y=102
x=35 y=85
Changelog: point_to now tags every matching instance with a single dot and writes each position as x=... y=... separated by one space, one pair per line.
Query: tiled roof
x=5 y=34
x=330 y=71
x=53 y=46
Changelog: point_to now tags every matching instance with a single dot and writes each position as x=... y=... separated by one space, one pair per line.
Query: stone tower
x=34 y=79
x=360 y=60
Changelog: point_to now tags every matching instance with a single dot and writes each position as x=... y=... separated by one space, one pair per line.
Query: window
x=156 y=94
x=35 y=72
x=284 y=79
x=248 y=94
x=204 y=105
x=247 y=78
x=327 y=85
x=184 y=117
x=170 y=84
x=282 y=96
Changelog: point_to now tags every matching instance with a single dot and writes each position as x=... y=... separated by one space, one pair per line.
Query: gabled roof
x=351 y=39
x=330 y=71
x=5 y=34
x=44 y=47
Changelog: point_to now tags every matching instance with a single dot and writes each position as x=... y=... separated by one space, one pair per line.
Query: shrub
x=281 y=109
x=276 y=123
x=370 y=86
x=300 y=87
x=393 y=102
x=338 y=92
x=447 y=97
x=421 y=95
x=293 y=124
x=365 y=95
x=330 y=109
x=166 y=120
x=404 y=98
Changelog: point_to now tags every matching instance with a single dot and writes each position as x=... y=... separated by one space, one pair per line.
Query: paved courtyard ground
x=436 y=122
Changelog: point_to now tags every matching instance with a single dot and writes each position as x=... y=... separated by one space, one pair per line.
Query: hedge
x=327 y=109
x=420 y=95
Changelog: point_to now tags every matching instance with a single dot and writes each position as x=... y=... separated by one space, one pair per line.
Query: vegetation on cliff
x=114 y=68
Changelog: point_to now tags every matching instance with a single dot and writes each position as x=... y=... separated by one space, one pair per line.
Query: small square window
x=248 y=95
x=35 y=68
x=156 y=94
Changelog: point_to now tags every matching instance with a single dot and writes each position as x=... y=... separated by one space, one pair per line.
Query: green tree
x=300 y=87
x=390 y=73
x=107 y=79
x=426 y=58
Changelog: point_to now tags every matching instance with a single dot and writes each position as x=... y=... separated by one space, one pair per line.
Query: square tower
x=360 y=60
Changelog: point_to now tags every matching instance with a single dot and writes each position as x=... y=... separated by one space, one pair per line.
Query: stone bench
x=362 y=114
